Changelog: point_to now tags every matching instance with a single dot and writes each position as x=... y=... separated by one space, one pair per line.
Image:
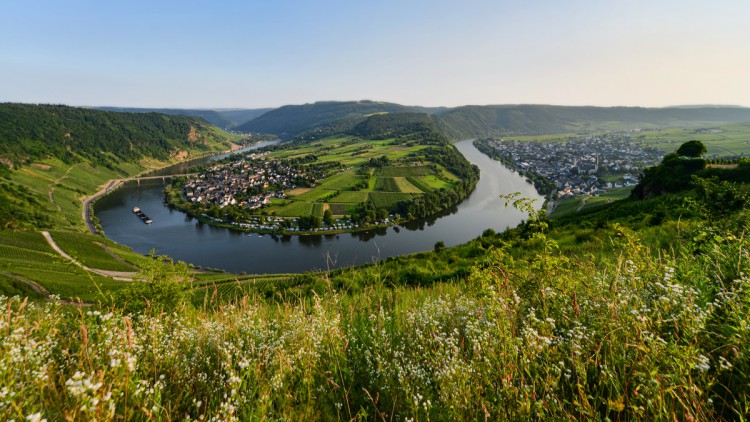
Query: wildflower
x=703 y=363
x=724 y=364
x=36 y=417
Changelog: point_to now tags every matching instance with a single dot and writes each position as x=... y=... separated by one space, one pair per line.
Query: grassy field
x=29 y=256
x=293 y=209
x=435 y=182
x=89 y=251
x=572 y=205
x=385 y=186
x=387 y=200
x=351 y=197
x=531 y=332
x=720 y=140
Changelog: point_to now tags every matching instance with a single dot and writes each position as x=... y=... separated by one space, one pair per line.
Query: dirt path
x=55 y=183
x=117 y=275
x=86 y=209
x=583 y=203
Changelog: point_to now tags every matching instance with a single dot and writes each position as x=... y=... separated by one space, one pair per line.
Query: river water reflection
x=183 y=238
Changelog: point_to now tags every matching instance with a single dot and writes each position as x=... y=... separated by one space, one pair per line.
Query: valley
x=639 y=288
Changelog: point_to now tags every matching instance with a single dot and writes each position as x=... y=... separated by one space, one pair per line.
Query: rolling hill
x=291 y=120
x=474 y=121
x=324 y=118
x=223 y=118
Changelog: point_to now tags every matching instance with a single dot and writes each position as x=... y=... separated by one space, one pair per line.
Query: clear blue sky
x=268 y=53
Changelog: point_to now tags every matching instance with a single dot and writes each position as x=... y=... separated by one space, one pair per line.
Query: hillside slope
x=291 y=120
x=31 y=132
x=53 y=155
x=612 y=315
x=325 y=118
x=478 y=121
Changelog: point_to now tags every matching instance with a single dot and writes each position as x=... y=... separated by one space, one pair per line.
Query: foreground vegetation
x=636 y=309
x=614 y=314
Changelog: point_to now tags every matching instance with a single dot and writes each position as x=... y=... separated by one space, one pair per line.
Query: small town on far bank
x=579 y=165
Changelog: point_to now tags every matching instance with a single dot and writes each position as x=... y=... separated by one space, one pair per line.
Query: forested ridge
x=325 y=118
x=32 y=132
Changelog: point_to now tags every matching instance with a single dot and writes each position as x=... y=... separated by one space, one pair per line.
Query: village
x=250 y=182
x=580 y=165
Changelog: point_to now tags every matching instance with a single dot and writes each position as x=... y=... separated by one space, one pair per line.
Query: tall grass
x=547 y=337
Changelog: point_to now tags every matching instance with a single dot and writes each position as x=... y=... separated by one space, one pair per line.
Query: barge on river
x=137 y=211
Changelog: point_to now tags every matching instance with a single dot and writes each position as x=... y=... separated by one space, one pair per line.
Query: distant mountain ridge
x=292 y=120
x=324 y=118
x=501 y=120
x=223 y=118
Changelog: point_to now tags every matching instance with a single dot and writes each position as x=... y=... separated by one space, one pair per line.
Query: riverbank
x=111 y=185
x=174 y=198
x=184 y=238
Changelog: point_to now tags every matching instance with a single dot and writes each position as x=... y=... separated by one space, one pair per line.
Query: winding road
x=117 y=275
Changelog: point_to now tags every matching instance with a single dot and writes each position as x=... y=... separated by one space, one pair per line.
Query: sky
x=253 y=53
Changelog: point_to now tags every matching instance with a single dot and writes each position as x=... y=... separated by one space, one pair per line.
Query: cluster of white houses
x=247 y=182
x=582 y=164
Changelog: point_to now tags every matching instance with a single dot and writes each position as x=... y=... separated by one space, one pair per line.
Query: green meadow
x=383 y=187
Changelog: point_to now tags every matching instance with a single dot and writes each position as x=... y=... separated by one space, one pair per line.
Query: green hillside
x=237 y=117
x=635 y=310
x=211 y=116
x=327 y=118
x=504 y=120
x=223 y=118
x=33 y=132
x=292 y=120
x=52 y=156
x=632 y=310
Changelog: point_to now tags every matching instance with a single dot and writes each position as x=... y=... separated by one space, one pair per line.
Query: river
x=181 y=237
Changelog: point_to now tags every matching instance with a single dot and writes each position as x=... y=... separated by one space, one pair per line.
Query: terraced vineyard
x=89 y=251
x=383 y=187
x=27 y=254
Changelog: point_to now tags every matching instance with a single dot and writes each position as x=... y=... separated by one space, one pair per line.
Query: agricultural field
x=577 y=203
x=342 y=181
x=721 y=141
x=351 y=197
x=405 y=186
x=339 y=209
x=342 y=191
x=293 y=209
x=388 y=200
x=28 y=256
x=420 y=184
x=89 y=251
x=318 y=210
x=404 y=171
x=349 y=152
x=435 y=182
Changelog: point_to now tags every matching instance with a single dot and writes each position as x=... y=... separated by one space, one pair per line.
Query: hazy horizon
x=438 y=53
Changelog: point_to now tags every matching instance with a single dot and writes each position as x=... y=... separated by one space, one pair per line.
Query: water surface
x=181 y=237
